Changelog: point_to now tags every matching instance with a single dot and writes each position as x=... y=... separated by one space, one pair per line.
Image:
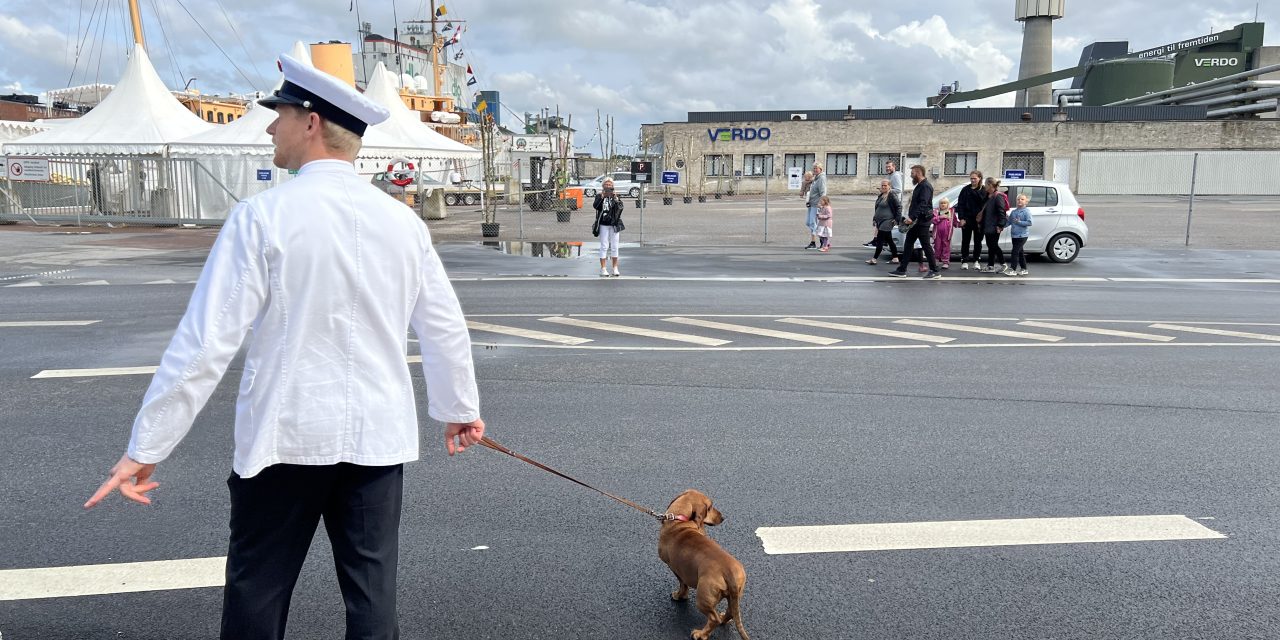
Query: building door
x=1062 y=170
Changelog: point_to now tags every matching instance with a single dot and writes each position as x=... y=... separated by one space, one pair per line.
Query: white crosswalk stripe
x=889 y=333
x=1097 y=331
x=100 y=579
x=982 y=330
x=637 y=331
x=89 y=373
x=1216 y=332
x=980 y=533
x=740 y=328
x=531 y=334
x=49 y=323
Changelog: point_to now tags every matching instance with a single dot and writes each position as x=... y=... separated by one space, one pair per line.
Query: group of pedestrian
x=981 y=212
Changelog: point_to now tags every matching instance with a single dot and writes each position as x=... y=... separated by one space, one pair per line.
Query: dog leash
x=490 y=443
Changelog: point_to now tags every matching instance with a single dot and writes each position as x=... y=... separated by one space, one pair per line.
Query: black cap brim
x=276 y=99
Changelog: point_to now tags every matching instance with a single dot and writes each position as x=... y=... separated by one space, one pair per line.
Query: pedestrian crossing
x=660 y=332
x=760 y=333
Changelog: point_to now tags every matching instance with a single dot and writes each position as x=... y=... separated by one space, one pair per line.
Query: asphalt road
x=871 y=429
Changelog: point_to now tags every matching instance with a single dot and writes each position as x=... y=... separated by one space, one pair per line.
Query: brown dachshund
x=700 y=563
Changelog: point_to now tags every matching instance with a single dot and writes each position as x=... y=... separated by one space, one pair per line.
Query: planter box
x=489 y=229
x=702 y=198
x=688 y=199
x=666 y=200
x=563 y=216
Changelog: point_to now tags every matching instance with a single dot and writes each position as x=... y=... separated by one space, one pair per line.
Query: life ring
x=404 y=176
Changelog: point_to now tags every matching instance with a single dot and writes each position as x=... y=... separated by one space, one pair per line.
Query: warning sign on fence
x=26 y=169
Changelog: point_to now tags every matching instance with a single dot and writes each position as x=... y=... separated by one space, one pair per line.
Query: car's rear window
x=1036 y=196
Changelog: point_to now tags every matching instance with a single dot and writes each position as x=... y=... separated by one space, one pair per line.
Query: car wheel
x=1063 y=248
x=450 y=199
x=470 y=200
x=634 y=192
x=590 y=193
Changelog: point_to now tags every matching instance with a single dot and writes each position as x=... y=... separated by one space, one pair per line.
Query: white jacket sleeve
x=446 y=346
x=228 y=297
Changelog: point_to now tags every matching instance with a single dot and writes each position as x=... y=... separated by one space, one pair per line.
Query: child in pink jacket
x=824 y=222
x=942 y=220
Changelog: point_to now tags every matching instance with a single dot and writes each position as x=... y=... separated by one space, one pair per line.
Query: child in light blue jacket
x=1019 y=229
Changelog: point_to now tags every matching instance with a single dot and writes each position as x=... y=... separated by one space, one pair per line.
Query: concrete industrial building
x=1100 y=150
x=1132 y=124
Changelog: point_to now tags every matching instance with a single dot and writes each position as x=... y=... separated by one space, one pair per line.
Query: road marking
x=1216 y=332
x=32 y=283
x=526 y=333
x=739 y=328
x=1200 y=280
x=905 y=335
x=89 y=373
x=983 y=330
x=99 y=579
x=1214 y=324
x=980 y=533
x=165 y=281
x=93 y=283
x=636 y=331
x=1096 y=330
x=50 y=323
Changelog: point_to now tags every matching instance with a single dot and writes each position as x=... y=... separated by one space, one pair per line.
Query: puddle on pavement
x=537 y=249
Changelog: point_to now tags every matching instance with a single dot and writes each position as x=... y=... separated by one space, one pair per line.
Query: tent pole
x=137 y=24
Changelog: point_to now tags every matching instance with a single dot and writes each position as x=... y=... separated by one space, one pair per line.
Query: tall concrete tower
x=1037 y=18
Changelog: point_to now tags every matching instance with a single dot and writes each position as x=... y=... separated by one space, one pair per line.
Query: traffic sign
x=670 y=177
x=1015 y=174
x=642 y=171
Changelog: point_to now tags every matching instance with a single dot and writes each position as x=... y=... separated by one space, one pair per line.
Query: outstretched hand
x=460 y=435
x=132 y=478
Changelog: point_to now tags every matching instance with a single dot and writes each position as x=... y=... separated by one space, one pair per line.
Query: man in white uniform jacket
x=329 y=273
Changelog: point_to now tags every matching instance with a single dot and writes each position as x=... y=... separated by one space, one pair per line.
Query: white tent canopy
x=405 y=126
x=237 y=157
x=140 y=116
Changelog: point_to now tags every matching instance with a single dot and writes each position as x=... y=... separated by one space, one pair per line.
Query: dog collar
x=681 y=517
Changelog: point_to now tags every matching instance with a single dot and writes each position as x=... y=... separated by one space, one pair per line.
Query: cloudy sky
x=637 y=60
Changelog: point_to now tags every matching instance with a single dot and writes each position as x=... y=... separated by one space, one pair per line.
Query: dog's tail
x=734 y=612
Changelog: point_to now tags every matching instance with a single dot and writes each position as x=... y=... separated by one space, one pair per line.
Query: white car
x=1058 y=229
x=622 y=185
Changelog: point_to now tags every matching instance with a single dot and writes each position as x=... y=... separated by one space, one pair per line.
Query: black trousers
x=1018 y=259
x=994 y=253
x=882 y=238
x=970 y=230
x=273 y=519
x=921 y=233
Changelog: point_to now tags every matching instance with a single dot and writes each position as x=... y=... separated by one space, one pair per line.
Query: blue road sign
x=264 y=174
x=670 y=177
x=1014 y=174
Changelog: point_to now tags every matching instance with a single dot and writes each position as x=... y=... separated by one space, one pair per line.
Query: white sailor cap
x=332 y=99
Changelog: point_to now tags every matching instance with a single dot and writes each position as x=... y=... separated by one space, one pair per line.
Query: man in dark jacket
x=920 y=217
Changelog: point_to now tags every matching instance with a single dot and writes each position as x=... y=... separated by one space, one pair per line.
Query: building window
x=803 y=160
x=842 y=164
x=757 y=165
x=220 y=121
x=876 y=166
x=1031 y=162
x=208 y=115
x=719 y=165
x=959 y=164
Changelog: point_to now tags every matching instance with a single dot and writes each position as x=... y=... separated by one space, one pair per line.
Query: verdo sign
x=736 y=134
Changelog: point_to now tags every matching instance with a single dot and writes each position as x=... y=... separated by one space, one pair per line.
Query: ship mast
x=435 y=53
x=137 y=24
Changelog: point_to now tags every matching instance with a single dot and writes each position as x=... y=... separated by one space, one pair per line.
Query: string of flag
x=454 y=39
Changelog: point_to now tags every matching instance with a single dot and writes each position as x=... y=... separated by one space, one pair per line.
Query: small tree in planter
x=490 y=227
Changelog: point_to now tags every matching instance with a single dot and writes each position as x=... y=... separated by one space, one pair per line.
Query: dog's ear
x=700 y=509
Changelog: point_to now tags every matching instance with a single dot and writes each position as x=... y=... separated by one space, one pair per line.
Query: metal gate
x=144 y=189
